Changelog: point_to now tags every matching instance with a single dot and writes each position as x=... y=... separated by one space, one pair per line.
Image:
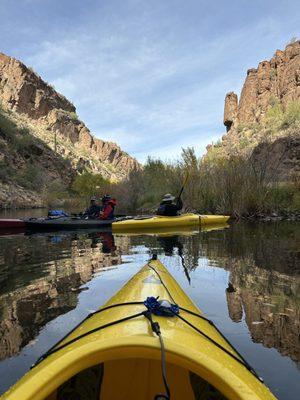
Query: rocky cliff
x=265 y=120
x=35 y=107
x=276 y=79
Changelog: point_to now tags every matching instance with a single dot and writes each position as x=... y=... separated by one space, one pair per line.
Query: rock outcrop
x=277 y=79
x=257 y=126
x=285 y=160
x=23 y=91
x=230 y=110
x=52 y=118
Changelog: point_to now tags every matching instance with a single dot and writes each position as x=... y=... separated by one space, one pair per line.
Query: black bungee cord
x=159 y=308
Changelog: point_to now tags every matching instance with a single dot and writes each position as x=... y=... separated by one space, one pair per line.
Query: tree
x=88 y=184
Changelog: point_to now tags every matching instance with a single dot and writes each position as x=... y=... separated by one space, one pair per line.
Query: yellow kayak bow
x=136 y=347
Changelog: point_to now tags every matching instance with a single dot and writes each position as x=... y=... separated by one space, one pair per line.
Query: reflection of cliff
x=264 y=287
x=53 y=268
x=273 y=246
x=270 y=304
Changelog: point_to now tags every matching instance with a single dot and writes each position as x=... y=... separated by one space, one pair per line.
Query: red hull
x=11 y=223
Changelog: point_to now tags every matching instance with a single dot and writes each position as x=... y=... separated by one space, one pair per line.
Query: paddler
x=108 y=207
x=169 y=207
x=93 y=211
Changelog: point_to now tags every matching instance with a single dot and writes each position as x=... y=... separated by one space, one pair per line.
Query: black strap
x=156 y=329
x=80 y=323
x=240 y=360
x=244 y=361
x=162 y=282
x=56 y=348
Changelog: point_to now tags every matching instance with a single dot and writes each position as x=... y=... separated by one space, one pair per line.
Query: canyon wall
x=275 y=80
x=40 y=133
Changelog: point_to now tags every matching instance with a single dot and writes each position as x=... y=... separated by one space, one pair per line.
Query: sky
x=149 y=75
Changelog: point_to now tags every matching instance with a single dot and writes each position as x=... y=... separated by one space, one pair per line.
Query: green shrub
x=273 y=73
x=88 y=184
x=18 y=139
x=22 y=144
x=291 y=114
x=6 y=172
x=31 y=178
x=274 y=116
x=285 y=197
x=55 y=194
x=244 y=142
x=73 y=115
x=8 y=128
x=218 y=143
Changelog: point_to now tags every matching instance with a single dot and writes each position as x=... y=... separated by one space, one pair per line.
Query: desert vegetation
x=235 y=183
x=21 y=154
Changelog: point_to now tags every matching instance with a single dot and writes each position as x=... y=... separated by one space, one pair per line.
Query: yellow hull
x=158 y=221
x=171 y=231
x=129 y=354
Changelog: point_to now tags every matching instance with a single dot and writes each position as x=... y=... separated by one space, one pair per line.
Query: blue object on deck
x=57 y=213
x=161 y=308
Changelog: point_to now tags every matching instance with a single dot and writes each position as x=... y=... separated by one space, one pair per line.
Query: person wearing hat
x=108 y=207
x=93 y=211
x=168 y=207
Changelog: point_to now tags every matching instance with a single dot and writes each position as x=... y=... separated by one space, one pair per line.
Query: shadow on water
x=246 y=278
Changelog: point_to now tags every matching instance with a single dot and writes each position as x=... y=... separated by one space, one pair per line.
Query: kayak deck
x=10 y=223
x=43 y=224
x=122 y=360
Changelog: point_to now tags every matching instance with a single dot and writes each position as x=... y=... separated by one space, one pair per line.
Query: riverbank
x=274 y=217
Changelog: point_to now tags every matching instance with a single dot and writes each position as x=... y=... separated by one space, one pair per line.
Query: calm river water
x=246 y=278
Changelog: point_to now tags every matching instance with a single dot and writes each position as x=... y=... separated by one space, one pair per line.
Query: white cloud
x=148 y=90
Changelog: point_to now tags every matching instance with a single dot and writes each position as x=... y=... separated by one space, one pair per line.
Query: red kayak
x=11 y=223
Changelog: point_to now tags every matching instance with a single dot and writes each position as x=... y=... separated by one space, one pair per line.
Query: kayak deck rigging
x=152 y=307
x=119 y=343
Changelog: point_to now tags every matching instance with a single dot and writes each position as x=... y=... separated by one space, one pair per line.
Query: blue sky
x=150 y=75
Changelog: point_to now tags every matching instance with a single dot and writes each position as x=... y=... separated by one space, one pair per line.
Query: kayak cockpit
x=130 y=379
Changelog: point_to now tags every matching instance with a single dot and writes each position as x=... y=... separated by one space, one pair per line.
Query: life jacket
x=109 y=209
x=93 y=211
x=167 y=209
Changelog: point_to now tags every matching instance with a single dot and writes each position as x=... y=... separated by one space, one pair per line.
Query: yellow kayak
x=136 y=347
x=158 y=221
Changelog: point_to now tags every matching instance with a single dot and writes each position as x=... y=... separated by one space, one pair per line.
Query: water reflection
x=269 y=302
x=264 y=281
x=42 y=275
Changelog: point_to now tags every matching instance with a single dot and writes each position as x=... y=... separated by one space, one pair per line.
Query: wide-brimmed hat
x=168 y=197
x=106 y=197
